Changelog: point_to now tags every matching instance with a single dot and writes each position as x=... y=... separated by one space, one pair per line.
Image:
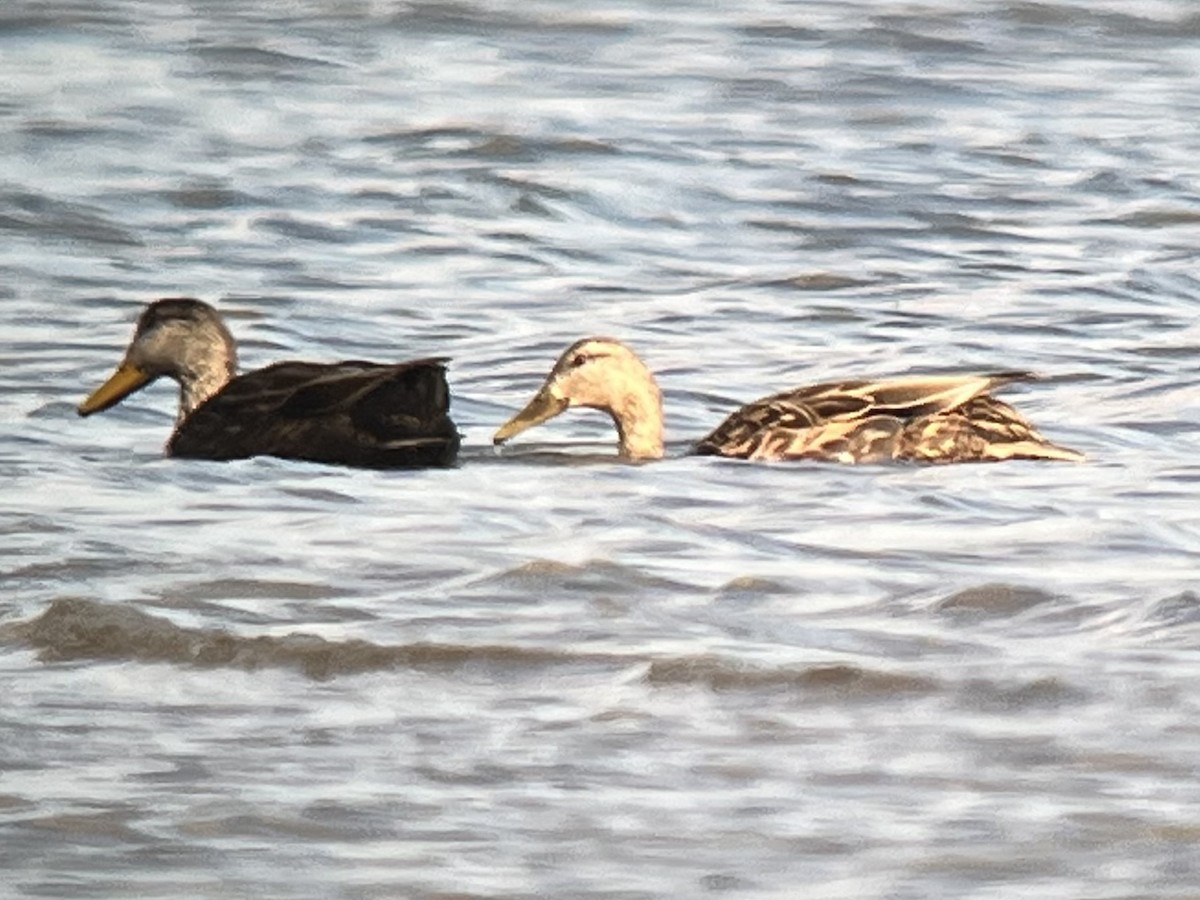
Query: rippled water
x=545 y=672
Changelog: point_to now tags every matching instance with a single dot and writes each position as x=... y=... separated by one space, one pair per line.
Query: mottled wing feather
x=981 y=430
x=907 y=397
x=759 y=429
x=353 y=413
x=859 y=440
x=945 y=418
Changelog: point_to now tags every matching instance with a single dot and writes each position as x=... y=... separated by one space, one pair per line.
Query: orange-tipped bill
x=121 y=383
x=543 y=406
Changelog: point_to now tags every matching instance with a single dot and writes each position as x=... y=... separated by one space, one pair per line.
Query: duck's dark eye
x=578 y=361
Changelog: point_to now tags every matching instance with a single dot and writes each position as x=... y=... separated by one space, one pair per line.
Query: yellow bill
x=543 y=406
x=121 y=383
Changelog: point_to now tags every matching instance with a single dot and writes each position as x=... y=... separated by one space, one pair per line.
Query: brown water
x=546 y=673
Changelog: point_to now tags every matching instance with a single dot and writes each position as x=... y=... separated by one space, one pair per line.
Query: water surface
x=546 y=673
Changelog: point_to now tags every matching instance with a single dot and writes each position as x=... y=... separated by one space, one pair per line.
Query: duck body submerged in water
x=372 y=415
x=939 y=419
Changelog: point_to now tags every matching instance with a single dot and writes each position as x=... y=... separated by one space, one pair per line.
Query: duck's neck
x=638 y=417
x=202 y=373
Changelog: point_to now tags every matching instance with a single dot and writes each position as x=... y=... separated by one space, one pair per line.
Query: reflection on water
x=547 y=672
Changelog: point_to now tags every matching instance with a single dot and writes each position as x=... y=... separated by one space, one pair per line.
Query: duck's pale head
x=599 y=373
x=180 y=338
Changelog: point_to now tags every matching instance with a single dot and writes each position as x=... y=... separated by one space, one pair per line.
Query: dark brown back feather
x=372 y=415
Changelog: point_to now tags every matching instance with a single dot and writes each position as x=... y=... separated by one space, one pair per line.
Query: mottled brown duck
x=372 y=415
x=938 y=419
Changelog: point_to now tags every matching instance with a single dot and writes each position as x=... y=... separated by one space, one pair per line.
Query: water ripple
x=547 y=672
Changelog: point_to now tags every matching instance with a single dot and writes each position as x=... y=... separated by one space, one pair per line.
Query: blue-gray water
x=538 y=675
